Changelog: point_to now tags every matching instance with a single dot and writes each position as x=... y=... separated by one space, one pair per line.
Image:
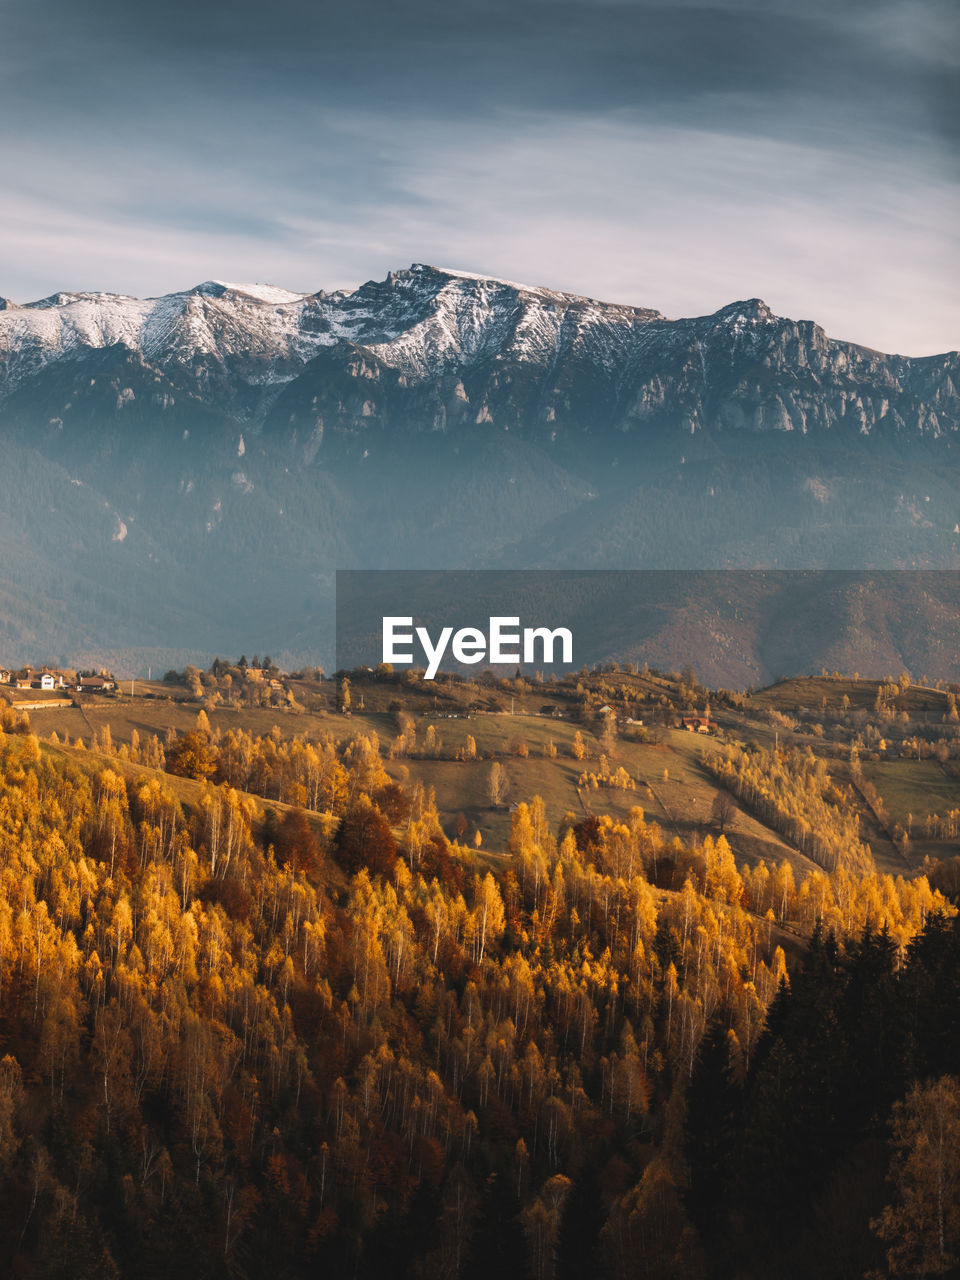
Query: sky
x=678 y=156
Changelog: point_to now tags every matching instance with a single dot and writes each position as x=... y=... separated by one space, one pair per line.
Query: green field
x=919 y=787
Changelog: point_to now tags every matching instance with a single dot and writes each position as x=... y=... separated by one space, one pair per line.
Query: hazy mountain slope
x=185 y=473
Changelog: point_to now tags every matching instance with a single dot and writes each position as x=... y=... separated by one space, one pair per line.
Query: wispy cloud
x=673 y=155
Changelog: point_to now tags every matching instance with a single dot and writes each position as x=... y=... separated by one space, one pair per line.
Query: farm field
x=535 y=749
x=672 y=787
x=808 y=693
x=917 y=787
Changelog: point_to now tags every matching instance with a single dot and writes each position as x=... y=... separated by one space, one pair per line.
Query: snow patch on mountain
x=264 y=292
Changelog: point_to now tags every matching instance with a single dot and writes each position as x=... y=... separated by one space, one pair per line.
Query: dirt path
x=663 y=805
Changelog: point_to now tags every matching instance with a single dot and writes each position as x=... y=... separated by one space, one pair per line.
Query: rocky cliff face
x=184 y=473
x=434 y=350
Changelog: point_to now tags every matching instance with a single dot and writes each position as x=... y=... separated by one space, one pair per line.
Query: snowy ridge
x=472 y=318
x=263 y=292
x=420 y=320
x=428 y=325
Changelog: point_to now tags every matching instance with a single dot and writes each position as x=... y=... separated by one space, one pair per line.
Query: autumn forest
x=268 y=1007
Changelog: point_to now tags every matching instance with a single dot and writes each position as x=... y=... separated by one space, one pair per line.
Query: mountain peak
x=268 y=293
x=454 y=273
x=208 y=289
x=60 y=299
x=746 y=309
x=438 y=278
x=424 y=270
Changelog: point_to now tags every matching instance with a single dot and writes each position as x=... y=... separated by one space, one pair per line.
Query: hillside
x=289 y=988
x=896 y=744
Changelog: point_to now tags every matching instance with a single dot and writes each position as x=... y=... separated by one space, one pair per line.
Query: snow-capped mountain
x=519 y=356
x=184 y=473
x=419 y=321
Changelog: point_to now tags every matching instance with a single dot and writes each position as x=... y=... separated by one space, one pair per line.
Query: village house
x=94 y=684
x=697 y=724
x=5 y=675
x=552 y=709
x=38 y=680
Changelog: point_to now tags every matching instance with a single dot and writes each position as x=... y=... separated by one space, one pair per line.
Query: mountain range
x=182 y=475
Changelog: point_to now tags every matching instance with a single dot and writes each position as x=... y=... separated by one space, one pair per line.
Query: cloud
x=681 y=219
x=675 y=155
x=687 y=220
